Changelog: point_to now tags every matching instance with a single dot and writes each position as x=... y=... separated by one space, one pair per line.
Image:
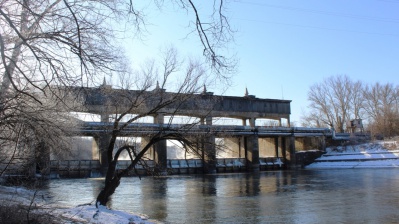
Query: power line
x=316 y=27
x=392 y=1
x=353 y=16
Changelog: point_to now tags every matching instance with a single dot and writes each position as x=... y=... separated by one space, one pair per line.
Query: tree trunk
x=108 y=190
x=112 y=181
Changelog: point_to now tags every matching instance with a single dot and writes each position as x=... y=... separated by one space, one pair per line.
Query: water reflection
x=153 y=198
x=72 y=192
x=329 y=196
x=208 y=186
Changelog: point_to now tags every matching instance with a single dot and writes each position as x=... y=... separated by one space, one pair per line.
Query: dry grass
x=11 y=214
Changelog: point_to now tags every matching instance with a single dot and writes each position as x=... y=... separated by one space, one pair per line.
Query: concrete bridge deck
x=140 y=129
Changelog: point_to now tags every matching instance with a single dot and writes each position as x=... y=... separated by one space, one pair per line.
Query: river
x=301 y=196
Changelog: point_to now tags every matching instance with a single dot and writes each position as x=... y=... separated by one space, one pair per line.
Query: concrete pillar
x=276 y=146
x=252 y=122
x=292 y=160
x=103 y=140
x=160 y=155
x=208 y=120
x=209 y=154
x=150 y=152
x=284 y=149
x=322 y=143
x=244 y=122
x=209 y=151
x=252 y=152
x=160 y=149
x=241 y=144
x=95 y=149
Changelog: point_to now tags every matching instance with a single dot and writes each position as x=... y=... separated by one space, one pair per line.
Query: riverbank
x=379 y=154
x=20 y=205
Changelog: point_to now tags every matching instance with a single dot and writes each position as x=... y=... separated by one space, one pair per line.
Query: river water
x=302 y=196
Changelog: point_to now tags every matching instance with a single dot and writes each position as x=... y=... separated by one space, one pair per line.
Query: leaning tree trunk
x=112 y=179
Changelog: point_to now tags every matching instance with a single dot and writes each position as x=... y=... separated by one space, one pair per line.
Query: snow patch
x=381 y=154
x=87 y=213
x=101 y=215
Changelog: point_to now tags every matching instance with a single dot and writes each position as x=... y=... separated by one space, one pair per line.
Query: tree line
x=338 y=99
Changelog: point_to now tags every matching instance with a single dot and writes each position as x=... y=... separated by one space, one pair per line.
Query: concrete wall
x=308 y=143
x=234 y=147
x=267 y=147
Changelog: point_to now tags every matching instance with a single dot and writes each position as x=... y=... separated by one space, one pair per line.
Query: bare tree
x=58 y=42
x=333 y=102
x=357 y=101
x=127 y=107
x=313 y=119
x=338 y=99
x=29 y=131
x=45 y=45
x=381 y=105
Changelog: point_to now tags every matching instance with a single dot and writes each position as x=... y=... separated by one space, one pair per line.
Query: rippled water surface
x=305 y=196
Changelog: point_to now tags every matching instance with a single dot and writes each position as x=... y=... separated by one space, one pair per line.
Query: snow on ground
x=10 y=196
x=379 y=154
x=102 y=215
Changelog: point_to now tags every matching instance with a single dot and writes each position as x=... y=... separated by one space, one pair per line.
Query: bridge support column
x=291 y=148
x=95 y=149
x=276 y=146
x=322 y=143
x=252 y=122
x=160 y=149
x=209 y=154
x=209 y=150
x=150 y=152
x=284 y=150
x=102 y=141
x=252 y=152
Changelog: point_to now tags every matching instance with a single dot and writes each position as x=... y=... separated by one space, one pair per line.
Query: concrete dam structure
x=249 y=146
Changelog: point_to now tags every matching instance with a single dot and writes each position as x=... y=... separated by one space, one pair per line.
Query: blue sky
x=286 y=46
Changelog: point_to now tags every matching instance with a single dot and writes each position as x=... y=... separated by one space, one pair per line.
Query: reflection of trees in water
x=209 y=197
x=209 y=185
x=153 y=197
x=285 y=181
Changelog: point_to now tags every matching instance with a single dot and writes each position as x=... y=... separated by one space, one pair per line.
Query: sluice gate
x=91 y=168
